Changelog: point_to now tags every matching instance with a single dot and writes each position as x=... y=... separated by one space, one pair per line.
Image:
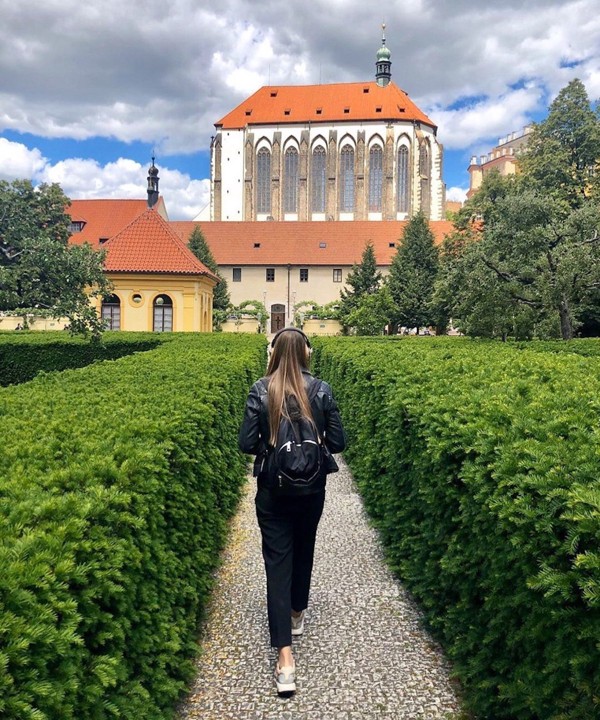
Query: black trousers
x=289 y=527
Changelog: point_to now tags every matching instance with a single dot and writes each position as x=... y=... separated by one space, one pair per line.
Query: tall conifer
x=413 y=272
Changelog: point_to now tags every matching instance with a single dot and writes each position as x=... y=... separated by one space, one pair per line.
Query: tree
x=363 y=279
x=198 y=245
x=373 y=312
x=39 y=270
x=412 y=274
x=563 y=151
x=534 y=266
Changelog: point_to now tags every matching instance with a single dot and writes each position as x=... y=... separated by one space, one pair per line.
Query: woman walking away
x=292 y=425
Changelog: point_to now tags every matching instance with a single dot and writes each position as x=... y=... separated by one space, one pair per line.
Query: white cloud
x=86 y=178
x=456 y=194
x=18 y=161
x=126 y=178
x=488 y=118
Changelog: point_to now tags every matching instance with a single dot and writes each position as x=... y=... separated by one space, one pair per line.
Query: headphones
x=290 y=329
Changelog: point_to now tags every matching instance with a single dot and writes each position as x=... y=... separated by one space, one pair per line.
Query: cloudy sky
x=89 y=89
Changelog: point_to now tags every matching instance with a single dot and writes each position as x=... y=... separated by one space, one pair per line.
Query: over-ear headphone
x=290 y=329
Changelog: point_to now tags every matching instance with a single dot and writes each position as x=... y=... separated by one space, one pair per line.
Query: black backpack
x=295 y=466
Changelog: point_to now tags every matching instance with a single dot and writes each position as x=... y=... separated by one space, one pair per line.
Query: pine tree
x=413 y=272
x=363 y=279
x=198 y=245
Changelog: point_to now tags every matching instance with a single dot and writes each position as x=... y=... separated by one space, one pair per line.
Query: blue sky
x=88 y=92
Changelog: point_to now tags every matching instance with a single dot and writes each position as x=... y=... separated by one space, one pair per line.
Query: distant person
x=288 y=522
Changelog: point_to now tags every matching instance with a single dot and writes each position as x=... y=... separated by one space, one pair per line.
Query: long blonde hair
x=290 y=355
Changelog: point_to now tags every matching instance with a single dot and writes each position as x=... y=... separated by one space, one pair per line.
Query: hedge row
x=24 y=354
x=479 y=464
x=116 y=482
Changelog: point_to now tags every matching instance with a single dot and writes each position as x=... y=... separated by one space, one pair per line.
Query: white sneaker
x=298 y=624
x=285 y=679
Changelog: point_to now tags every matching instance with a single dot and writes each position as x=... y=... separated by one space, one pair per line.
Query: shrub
x=479 y=464
x=116 y=484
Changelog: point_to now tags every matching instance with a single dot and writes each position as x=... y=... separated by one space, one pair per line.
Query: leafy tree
x=413 y=272
x=198 y=245
x=529 y=250
x=563 y=151
x=373 y=312
x=363 y=279
x=39 y=270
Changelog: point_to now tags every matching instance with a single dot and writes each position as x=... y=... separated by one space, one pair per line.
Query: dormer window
x=257 y=245
x=346 y=111
x=287 y=111
x=365 y=90
x=319 y=111
x=248 y=113
x=76 y=226
x=378 y=109
x=102 y=240
x=273 y=93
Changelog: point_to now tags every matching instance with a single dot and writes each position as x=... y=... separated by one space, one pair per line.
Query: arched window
x=318 y=180
x=111 y=312
x=425 y=173
x=163 y=314
x=290 y=181
x=403 y=180
x=263 y=181
x=375 y=178
x=347 y=179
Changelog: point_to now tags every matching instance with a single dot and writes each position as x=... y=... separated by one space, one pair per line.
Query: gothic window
x=111 y=312
x=403 y=180
x=163 y=314
x=290 y=181
x=318 y=180
x=347 y=179
x=263 y=181
x=375 y=178
x=425 y=173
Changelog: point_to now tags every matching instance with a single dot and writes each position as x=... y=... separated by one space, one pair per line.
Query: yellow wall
x=191 y=295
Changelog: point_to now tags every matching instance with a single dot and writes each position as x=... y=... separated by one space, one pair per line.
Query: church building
x=347 y=151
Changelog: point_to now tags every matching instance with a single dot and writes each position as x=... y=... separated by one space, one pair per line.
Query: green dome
x=383 y=53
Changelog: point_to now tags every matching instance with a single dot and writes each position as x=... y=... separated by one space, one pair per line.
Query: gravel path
x=363 y=654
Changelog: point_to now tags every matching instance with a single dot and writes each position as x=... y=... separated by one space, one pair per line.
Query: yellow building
x=503 y=159
x=159 y=284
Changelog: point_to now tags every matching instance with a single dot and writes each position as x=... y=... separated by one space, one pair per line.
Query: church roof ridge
x=334 y=102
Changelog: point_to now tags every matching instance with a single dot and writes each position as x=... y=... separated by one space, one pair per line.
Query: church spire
x=383 y=63
x=152 y=184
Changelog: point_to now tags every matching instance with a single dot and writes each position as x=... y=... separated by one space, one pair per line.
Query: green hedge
x=116 y=484
x=26 y=353
x=480 y=464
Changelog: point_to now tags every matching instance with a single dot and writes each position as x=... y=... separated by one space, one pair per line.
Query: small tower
x=383 y=64
x=152 y=184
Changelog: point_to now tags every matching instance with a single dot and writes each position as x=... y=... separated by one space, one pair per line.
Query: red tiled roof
x=150 y=245
x=300 y=243
x=350 y=102
x=102 y=218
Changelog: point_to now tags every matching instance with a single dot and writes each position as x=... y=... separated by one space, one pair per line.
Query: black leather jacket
x=254 y=432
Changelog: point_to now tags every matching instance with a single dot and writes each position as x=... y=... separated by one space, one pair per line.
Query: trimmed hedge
x=24 y=354
x=479 y=464
x=116 y=484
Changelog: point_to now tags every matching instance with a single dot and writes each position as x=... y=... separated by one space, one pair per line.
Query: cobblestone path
x=363 y=654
